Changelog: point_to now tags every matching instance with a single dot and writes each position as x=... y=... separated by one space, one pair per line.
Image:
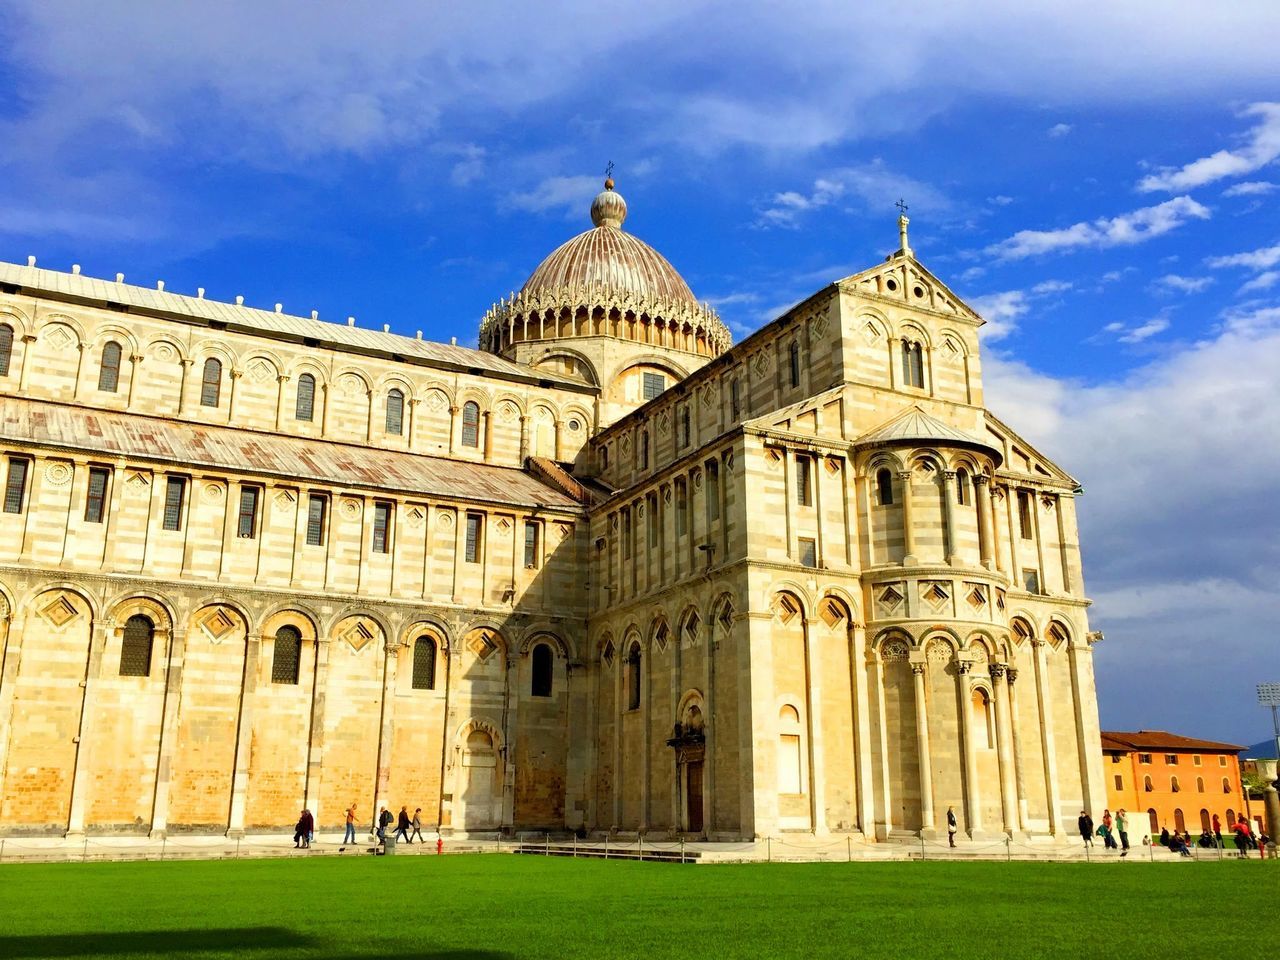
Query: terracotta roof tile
x=1162 y=740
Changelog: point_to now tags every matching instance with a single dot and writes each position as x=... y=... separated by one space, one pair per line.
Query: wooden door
x=693 y=797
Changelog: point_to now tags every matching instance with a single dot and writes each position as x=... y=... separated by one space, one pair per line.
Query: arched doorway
x=690 y=745
x=480 y=793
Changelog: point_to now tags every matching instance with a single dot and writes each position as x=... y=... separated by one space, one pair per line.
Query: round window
x=575 y=425
x=891 y=284
x=919 y=292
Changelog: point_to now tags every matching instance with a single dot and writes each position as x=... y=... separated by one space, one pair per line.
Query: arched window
x=1199 y=784
x=109 y=370
x=6 y=348
x=211 y=387
x=424 y=664
x=1173 y=784
x=1179 y=823
x=912 y=363
x=1206 y=825
x=794 y=352
x=1146 y=784
x=471 y=424
x=1226 y=785
x=982 y=726
x=306 y=405
x=1231 y=817
x=542 y=671
x=287 y=655
x=633 y=677
x=790 y=757
x=135 y=650
x=963 y=497
x=884 y=487
x=395 y=412
x=1153 y=820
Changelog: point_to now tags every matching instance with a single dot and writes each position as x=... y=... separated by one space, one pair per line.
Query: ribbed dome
x=608 y=257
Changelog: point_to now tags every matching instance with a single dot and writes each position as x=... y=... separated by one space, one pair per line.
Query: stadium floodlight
x=1269 y=694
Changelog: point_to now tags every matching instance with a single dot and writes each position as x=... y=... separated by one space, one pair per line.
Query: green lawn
x=487 y=907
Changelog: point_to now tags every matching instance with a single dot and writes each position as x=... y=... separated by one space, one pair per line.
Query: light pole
x=1269 y=696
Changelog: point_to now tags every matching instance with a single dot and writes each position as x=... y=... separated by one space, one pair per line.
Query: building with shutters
x=605 y=573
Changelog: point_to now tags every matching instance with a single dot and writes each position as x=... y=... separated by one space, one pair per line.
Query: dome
x=607 y=257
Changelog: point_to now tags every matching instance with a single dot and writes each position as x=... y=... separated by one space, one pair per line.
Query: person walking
x=1086 y=828
x=384 y=820
x=303 y=830
x=951 y=826
x=350 y=835
x=417 y=825
x=1217 y=831
x=403 y=825
x=1122 y=828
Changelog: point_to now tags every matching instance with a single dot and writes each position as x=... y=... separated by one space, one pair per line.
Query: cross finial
x=901 y=204
x=608 y=171
x=903 y=246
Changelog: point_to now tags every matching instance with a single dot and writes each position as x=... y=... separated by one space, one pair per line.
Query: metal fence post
x=768 y=848
x=848 y=842
x=1008 y=848
x=1151 y=850
x=640 y=846
x=606 y=846
x=575 y=845
x=84 y=853
x=548 y=844
x=681 y=849
x=922 y=845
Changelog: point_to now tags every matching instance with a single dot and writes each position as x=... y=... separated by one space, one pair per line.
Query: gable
x=1021 y=457
x=904 y=280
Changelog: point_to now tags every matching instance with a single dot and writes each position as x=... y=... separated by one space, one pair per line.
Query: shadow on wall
x=195 y=942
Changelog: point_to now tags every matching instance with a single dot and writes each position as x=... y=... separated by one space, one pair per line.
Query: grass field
x=493 y=907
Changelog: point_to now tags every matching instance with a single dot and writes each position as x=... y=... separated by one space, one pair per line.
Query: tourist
x=403 y=825
x=1086 y=828
x=1108 y=840
x=1217 y=831
x=304 y=829
x=1179 y=846
x=1244 y=842
x=1164 y=836
x=350 y=835
x=417 y=824
x=951 y=826
x=1122 y=828
x=384 y=821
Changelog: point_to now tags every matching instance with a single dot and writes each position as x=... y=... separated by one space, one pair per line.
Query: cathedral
x=609 y=573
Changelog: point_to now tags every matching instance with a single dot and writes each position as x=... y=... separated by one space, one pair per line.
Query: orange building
x=1177 y=782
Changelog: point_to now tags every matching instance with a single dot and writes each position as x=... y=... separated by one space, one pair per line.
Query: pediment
x=904 y=279
x=1020 y=456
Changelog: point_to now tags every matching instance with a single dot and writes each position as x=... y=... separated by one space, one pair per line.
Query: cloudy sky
x=1100 y=180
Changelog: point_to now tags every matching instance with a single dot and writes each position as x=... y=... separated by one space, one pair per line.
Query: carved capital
x=136 y=358
x=963 y=666
x=235 y=374
x=1013 y=673
x=918 y=668
x=996 y=670
x=981 y=479
x=948 y=476
x=904 y=475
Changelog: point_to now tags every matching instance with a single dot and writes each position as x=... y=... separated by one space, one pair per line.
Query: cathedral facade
x=608 y=573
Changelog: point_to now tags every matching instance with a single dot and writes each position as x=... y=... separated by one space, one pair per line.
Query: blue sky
x=1099 y=180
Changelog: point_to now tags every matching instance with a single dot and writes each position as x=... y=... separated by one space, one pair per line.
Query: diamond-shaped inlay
x=949 y=348
x=726 y=617
x=358 y=635
x=482 y=646
x=977 y=597
x=936 y=595
x=416 y=517
x=60 y=338
x=608 y=653
x=870 y=333
x=218 y=624
x=503 y=525
x=1000 y=599
x=832 y=614
x=60 y=612
x=508 y=411
x=890 y=598
x=692 y=627
x=786 y=609
x=662 y=637
x=260 y=371
x=137 y=482
x=284 y=500
x=435 y=401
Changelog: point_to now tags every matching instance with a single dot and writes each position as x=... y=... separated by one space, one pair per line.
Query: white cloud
x=1263 y=147
x=1000 y=200
x=871 y=185
x=1146 y=330
x=1176 y=557
x=1002 y=311
x=1060 y=130
x=1052 y=286
x=1250 y=188
x=1261 y=259
x=1127 y=229
x=570 y=196
x=470 y=167
x=1172 y=282
x=1263 y=281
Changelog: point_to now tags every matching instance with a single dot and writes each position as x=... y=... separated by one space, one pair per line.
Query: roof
x=1162 y=740
x=609 y=257
x=35 y=281
x=155 y=439
x=914 y=425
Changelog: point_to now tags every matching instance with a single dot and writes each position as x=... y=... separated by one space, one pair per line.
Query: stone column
x=1004 y=751
x=817 y=761
x=883 y=749
x=413 y=423
x=861 y=730
x=234 y=376
x=512 y=663
x=1092 y=779
x=244 y=737
x=76 y=384
x=315 y=741
x=1015 y=736
x=184 y=390
x=281 y=380
x=369 y=428
x=949 y=515
x=84 y=741
x=559 y=441
x=168 y=731
x=28 y=348
x=386 y=729
x=619 y=713
x=908 y=525
x=324 y=409
x=982 y=500
x=928 y=823
x=10 y=656
x=1045 y=703
x=135 y=359
x=972 y=807
x=453 y=429
x=486 y=424
x=524 y=438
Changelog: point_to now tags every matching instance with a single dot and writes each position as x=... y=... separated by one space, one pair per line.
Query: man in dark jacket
x=384 y=821
x=1086 y=828
x=403 y=825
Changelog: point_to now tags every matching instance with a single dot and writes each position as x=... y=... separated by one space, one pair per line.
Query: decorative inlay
x=503 y=525
x=664 y=422
x=284 y=500
x=435 y=401
x=832 y=614
x=977 y=597
x=608 y=653
x=217 y=624
x=935 y=595
x=482 y=646
x=137 y=482
x=890 y=598
x=351 y=509
x=260 y=371
x=871 y=334
x=60 y=337
x=661 y=638
x=894 y=650
x=212 y=492
x=57 y=473
x=416 y=517
x=350 y=384
x=445 y=519
x=359 y=635
x=692 y=630
x=60 y=611
x=164 y=352
x=939 y=652
x=785 y=608
x=508 y=411
x=818 y=328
